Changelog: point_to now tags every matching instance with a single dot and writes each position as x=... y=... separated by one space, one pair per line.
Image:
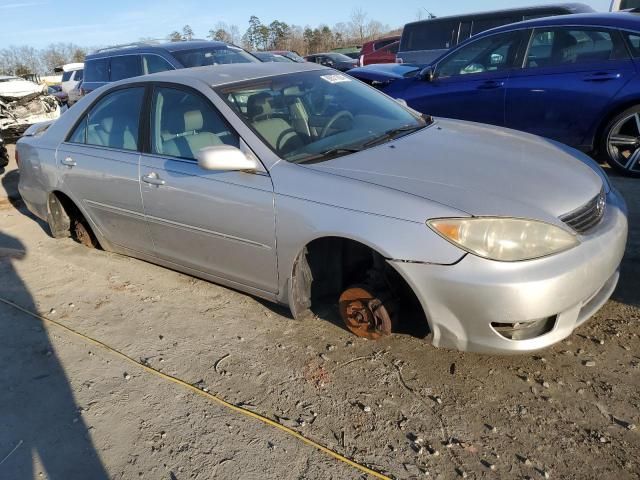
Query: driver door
x=471 y=82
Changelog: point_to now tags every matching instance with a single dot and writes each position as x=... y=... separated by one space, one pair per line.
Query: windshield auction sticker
x=335 y=78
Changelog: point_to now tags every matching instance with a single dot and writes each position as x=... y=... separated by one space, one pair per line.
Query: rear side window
x=154 y=64
x=97 y=70
x=429 y=36
x=113 y=122
x=126 y=66
x=563 y=46
x=182 y=123
x=382 y=43
x=633 y=40
x=201 y=57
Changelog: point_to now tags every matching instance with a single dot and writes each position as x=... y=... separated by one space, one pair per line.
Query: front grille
x=588 y=216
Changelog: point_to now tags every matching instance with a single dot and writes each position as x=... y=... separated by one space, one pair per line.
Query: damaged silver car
x=301 y=185
x=23 y=103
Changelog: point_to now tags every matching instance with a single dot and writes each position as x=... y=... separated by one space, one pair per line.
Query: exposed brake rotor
x=366 y=314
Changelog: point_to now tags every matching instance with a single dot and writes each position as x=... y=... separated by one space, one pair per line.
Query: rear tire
x=620 y=142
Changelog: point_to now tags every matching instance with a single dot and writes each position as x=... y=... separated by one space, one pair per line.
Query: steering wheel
x=334 y=119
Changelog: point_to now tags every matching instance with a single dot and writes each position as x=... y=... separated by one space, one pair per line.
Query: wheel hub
x=365 y=314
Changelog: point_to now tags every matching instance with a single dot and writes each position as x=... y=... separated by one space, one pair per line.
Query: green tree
x=187 y=32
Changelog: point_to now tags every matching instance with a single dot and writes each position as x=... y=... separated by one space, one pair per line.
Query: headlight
x=504 y=239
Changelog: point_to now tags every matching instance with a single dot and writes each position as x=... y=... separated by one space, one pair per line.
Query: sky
x=98 y=23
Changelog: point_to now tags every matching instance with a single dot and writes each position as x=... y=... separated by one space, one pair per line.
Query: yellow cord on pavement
x=207 y=395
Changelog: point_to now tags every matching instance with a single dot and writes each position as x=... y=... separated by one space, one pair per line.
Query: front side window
x=183 y=122
x=221 y=55
x=113 y=121
x=315 y=116
x=126 y=66
x=154 y=64
x=489 y=54
x=564 y=46
x=97 y=70
x=78 y=76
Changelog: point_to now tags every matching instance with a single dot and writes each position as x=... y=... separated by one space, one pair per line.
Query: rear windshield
x=96 y=70
x=428 y=36
x=201 y=57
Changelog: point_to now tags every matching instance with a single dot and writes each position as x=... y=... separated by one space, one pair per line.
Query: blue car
x=573 y=78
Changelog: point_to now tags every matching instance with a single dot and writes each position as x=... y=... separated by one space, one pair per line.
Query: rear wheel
x=83 y=234
x=620 y=144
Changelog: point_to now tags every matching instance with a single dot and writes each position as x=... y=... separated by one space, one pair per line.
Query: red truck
x=382 y=50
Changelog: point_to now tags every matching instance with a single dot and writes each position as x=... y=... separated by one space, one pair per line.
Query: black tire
x=4 y=155
x=619 y=144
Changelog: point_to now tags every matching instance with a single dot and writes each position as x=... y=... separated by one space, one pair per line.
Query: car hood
x=385 y=72
x=478 y=169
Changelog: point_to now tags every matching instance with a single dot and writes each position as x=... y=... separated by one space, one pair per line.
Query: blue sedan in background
x=573 y=78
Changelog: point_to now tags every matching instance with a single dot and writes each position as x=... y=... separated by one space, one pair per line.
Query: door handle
x=153 y=179
x=69 y=162
x=490 y=85
x=601 y=77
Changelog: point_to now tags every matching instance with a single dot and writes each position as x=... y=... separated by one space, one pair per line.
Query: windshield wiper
x=329 y=153
x=393 y=134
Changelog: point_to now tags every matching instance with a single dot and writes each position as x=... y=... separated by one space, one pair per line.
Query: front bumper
x=461 y=301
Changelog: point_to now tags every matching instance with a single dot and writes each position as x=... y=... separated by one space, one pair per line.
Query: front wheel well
x=327 y=266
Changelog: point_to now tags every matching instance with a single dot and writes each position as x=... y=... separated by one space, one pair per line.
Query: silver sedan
x=300 y=185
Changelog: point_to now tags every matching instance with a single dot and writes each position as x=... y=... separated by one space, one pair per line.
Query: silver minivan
x=425 y=40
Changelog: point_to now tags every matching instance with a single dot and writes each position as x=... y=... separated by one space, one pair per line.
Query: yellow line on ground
x=202 y=393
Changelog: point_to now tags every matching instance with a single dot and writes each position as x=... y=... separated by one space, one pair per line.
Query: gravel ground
x=74 y=410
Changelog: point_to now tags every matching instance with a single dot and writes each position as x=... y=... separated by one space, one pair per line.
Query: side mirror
x=225 y=158
x=428 y=74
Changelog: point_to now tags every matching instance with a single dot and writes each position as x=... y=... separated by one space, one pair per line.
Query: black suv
x=125 y=61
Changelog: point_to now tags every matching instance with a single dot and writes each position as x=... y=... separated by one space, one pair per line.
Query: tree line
x=277 y=35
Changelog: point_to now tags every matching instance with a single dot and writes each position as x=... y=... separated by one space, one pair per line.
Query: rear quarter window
x=97 y=70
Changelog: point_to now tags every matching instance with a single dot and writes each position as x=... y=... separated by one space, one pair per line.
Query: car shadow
x=10 y=185
x=627 y=291
x=39 y=417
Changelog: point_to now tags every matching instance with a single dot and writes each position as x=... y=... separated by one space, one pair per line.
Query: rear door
x=470 y=83
x=219 y=223
x=570 y=76
x=99 y=168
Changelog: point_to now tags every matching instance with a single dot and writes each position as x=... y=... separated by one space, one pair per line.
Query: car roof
x=154 y=47
x=624 y=20
x=217 y=75
x=575 y=8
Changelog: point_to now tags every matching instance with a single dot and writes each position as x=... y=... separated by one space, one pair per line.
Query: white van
x=72 y=74
x=617 y=5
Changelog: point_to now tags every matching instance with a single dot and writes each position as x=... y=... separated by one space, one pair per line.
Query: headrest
x=107 y=124
x=259 y=104
x=193 y=120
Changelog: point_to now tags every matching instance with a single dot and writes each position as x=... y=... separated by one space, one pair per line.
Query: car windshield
x=339 y=57
x=201 y=57
x=314 y=116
